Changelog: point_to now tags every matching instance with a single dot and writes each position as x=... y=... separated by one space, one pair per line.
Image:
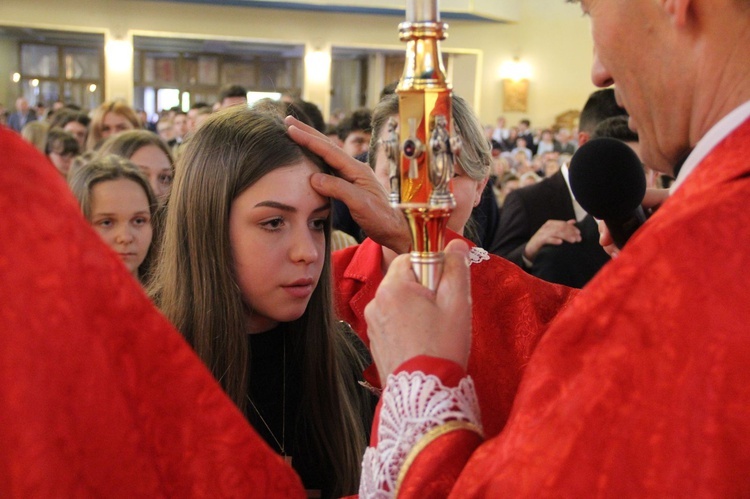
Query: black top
x=267 y=392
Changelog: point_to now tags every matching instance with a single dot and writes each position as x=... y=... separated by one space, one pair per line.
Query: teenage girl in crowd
x=149 y=153
x=118 y=202
x=110 y=118
x=61 y=148
x=244 y=274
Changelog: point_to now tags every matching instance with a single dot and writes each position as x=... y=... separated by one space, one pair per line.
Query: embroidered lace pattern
x=412 y=405
x=477 y=255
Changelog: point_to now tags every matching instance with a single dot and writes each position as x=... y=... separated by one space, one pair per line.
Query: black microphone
x=607 y=179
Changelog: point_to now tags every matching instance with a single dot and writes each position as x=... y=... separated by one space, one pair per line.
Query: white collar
x=577 y=209
x=708 y=142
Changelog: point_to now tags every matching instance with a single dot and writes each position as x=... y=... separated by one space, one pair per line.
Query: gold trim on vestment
x=430 y=437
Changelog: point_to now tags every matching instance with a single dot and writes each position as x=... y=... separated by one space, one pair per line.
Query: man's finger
x=292 y=121
x=655 y=197
x=455 y=282
x=333 y=155
x=334 y=187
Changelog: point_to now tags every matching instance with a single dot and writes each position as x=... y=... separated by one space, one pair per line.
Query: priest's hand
x=406 y=319
x=356 y=186
x=651 y=201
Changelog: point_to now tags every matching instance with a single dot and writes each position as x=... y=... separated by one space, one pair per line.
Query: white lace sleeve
x=413 y=404
x=478 y=255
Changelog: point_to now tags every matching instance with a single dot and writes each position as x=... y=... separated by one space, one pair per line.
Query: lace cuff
x=478 y=255
x=413 y=405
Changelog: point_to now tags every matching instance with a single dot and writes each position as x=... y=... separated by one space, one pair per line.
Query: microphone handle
x=622 y=229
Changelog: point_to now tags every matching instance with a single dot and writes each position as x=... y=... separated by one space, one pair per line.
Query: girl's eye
x=273 y=224
x=141 y=221
x=319 y=224
x=104 y=223
x=165 y=179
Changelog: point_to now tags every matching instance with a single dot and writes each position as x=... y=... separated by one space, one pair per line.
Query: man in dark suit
x=24 y=114
x=546 y=214
x=575 y=264
x=524 y=132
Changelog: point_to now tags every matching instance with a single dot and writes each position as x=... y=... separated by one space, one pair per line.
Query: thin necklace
x=281 y=445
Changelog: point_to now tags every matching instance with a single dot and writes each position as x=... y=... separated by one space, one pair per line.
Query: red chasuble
x=641 y=388
x=510 y=311
x=99 y=395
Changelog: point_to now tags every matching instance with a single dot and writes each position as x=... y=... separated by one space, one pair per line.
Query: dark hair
x=232 y=91
x=61 y=142
x=282 y=109
x=199 y=105
x=64 y=116
x=388 y=90
x=314 y=113
x=358 y=120
x=599 y=106
x=615 y=127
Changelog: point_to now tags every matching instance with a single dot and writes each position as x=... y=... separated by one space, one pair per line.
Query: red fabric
x=641 y=388
x=99 y=395
x=511 y=310
x=434 y=471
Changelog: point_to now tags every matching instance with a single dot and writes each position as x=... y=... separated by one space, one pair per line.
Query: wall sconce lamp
x=119 y=54
x=515 y=75
x=318 y=65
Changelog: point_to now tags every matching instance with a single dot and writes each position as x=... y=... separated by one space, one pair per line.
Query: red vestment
x=99 y=395
x=641 y=387
x=511 y=309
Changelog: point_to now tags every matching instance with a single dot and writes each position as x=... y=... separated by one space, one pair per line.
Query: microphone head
x=607 y=178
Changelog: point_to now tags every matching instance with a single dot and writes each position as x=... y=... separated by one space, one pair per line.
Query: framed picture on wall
x=515 y=95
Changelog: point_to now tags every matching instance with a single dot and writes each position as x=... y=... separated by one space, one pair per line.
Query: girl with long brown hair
x=244 y=274
x=118 y=202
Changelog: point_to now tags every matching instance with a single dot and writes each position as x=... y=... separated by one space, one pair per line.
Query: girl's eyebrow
x=286 y=207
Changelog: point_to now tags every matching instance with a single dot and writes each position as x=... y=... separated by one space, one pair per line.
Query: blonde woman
x=109 y=119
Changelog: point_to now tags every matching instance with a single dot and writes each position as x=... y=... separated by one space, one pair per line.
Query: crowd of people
x=70 y=137
x=256 y=291
x=256 y=274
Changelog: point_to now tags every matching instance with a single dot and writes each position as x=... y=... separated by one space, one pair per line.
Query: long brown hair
x=196 y=288
x=126 y=144
x=111 y=167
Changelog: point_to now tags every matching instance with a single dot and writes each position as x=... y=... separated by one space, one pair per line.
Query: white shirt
x=577 y=209
x=708 y=142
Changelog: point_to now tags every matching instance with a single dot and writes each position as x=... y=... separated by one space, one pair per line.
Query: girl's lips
x=305 y=281
x=300 y=289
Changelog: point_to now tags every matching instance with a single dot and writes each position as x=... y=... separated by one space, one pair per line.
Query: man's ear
x=677 y=10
